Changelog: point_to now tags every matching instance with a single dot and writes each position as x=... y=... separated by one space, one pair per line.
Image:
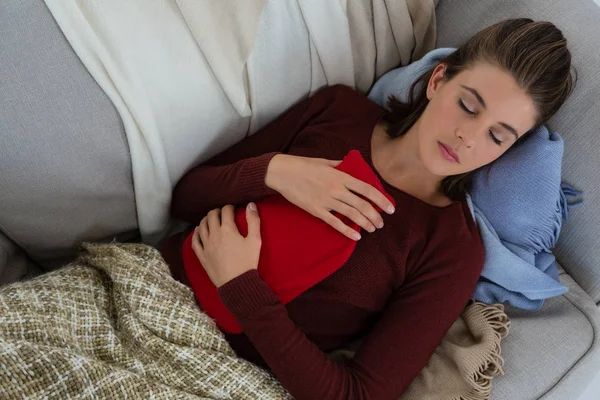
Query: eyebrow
x=480 y=100
x=510 y=129
x=476 y=94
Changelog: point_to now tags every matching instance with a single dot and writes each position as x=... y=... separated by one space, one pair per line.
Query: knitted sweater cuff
x=252 y=178
x=245 y=295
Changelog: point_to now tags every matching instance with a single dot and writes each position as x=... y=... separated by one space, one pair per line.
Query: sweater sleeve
x=237 y=175
x=413 y=324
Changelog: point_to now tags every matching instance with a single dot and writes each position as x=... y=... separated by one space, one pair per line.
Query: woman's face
x=472 y=119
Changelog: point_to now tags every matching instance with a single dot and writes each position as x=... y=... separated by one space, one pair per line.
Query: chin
x=438 y=169
x=438 y=166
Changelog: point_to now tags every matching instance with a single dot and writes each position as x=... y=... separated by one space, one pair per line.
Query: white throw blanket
x=190 y=78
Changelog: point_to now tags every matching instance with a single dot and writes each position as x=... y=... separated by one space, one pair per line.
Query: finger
x=197 y=245
x=370 y=193
x=339 y=226
x=228 y=215
x=214 y=220
x=203 y=231
x=333 y=163
x=253 y=221
x=357 y=216
x=362 y=207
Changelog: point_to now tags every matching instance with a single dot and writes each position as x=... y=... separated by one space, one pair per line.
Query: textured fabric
x=310 y=249
x=65 y=173
x=465 y=363
x=404 y=31
x=532 y=170
x=562 y=340
x=516 y=277
x=225 y=31
x=579 y=246
x=114 y=324
x=194 y=68
x=471 y=346
x=518 y=204
x=403 y=286
x=322 y=47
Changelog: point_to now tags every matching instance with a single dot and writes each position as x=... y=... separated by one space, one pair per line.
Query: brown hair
x=534 y=53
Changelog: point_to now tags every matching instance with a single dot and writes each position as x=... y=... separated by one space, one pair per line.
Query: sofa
x=66 y=176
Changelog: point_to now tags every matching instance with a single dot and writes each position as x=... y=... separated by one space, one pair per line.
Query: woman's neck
x=397 y=161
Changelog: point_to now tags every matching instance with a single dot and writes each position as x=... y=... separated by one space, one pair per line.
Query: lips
x=448 y=153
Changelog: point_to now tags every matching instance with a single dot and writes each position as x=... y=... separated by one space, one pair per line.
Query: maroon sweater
x=402 y=288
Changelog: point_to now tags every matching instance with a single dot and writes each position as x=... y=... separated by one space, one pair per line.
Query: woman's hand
x=223 y=252
x=314 y=185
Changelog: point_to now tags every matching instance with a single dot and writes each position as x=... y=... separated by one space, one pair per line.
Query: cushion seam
x=593 y=344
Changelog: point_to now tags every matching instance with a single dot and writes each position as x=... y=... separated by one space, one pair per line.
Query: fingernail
x=391 y=209
x=356 y=236
x=371 y=229
x=252 y=207
x=380 y=225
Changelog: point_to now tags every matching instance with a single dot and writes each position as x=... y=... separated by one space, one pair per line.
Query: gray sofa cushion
x=553 y=353
x=578 y=121
x=14 y=263
x=64 y=161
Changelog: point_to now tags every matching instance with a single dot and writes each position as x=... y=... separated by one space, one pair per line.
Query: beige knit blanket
x=114 y=325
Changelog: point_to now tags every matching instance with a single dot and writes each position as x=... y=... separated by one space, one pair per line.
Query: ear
x=436 y=80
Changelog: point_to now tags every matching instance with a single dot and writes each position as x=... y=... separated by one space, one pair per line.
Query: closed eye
x=471 y=113
x=494 y=138
x=462 y=105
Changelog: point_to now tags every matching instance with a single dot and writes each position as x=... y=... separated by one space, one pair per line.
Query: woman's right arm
x=257 y=166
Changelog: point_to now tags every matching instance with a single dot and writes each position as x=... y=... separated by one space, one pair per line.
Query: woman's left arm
x=412 y=326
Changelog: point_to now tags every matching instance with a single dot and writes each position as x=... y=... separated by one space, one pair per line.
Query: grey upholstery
x=578 y=121
x=65 y=171
x=14 y=263
x=552 y=353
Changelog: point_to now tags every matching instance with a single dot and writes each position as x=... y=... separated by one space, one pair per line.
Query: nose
x=467 y=134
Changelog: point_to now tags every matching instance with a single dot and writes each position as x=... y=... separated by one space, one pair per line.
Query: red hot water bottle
x=298 y=250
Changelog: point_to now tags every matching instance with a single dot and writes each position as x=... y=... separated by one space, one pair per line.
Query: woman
x=410 y=277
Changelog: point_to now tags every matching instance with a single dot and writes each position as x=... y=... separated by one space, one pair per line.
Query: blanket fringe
x=481 y=380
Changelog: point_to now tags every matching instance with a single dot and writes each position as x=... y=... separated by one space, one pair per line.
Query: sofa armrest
x=591 y=393
x=552 y=353
x=586 y=370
